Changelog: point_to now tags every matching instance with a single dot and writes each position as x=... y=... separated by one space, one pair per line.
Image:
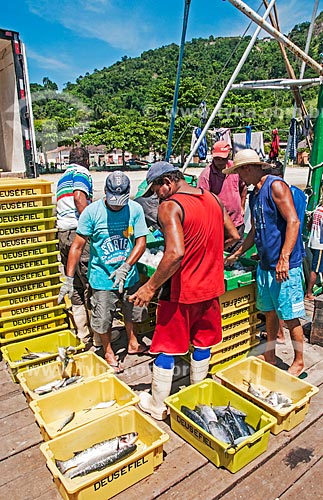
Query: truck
x=18 y=154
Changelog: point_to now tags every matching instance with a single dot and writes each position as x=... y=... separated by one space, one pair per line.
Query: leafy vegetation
x=128 y=105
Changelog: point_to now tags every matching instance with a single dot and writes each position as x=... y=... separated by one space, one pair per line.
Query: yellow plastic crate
x=36 y=307
x=30 y=274
x=229 y=360
x=248 y=341
x=50 y=341
x=28 y=251
x=31 y=324
x=25 y=201
x=259 y=372
x=19 y=300
x=238 y=298
x=228 y=330
x=238 y=315
x=16 y=216
x=15 y=187
x=87 y=364
x=22 y=239
x=52 y=409
x=31 y=262
x=20 y=285
x=210 y=393
x=27 y=226
x=146 y=327
x=110 y=481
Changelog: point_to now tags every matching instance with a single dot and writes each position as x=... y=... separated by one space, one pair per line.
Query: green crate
x=259 y=372
x=232 y=282
x=211 y=393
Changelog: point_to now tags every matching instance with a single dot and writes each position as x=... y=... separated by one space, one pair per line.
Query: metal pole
x=309 y=37
x=227 y=88
x=277 y=35
x=179 y=67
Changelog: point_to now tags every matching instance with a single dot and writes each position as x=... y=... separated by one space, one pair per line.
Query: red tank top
x=201 y=275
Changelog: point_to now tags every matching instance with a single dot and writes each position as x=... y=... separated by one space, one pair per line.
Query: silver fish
x=103 y=404
x=35 y=355
x=220 y=431
x=206 y=412
x=195 y=417
x=95 y=452
x=106 y=459
x=66 y=421
x=44 y=389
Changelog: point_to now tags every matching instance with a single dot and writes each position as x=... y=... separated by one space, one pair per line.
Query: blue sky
x=67 y=38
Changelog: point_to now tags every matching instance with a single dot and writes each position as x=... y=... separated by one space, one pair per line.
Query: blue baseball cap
x=117 y=189
x=156 y=170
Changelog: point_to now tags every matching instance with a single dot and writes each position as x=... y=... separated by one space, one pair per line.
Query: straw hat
x=243 y=158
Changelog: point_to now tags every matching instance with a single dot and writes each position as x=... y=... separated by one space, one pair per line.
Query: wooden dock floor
x=290 y=468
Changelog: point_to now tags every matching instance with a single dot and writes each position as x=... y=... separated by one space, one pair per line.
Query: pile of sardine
x=277 y=400
x=65 y=357
x=237 y=269
x=225 y=423
x=98 y=456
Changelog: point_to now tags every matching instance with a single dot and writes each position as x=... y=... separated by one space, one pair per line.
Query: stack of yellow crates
x=29 y=265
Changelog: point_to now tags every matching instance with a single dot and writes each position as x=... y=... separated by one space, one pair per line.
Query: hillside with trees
x=128 y=104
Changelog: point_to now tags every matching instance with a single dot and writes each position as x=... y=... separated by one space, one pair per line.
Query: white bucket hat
x=243 y=158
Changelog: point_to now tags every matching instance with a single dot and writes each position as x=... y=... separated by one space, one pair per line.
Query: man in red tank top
x=196 y=228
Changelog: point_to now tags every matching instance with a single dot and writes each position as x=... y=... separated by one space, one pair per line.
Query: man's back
x=75 y=178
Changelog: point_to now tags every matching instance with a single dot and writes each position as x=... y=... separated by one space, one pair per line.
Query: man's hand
x=142 y=296
x=66 y=289
x=231 y=259
x=282 y=269
x=120 y=275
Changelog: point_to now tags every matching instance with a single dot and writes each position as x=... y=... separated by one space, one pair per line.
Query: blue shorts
x=286 y=298
x=317 y=262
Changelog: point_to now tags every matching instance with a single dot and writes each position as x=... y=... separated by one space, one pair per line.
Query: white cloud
x=47 y=62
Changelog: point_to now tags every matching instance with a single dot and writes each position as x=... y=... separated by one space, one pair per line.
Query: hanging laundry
x=223 y=134
x=257 y=143
x=274 y=147
x=248 y=136
x=203 y=112
x=293 y=139
x=202 y=149
x=307 y=125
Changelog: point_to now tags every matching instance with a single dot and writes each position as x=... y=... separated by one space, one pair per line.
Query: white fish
x=43 y=389
x=103 y=404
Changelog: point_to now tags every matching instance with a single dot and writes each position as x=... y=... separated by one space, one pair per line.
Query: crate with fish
x=28 y=251
x=40 y=350
x=27 y=326
x=241 y=273
x=61 y=411
x=54 y=376
x=239 y=298
x=284 y=396
x=24 y=283
x=23 y=214
x=31 y=262
x=149 y=261
x=115 y=452
x=225 y=427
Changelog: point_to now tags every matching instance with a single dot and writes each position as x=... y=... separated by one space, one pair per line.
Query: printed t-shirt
x=112 y=237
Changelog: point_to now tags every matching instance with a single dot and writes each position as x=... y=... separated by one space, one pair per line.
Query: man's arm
x=231 y=234
x=243 y=195
x=204 y=179
x=137 y=251
x=283 y=199
x=247 y=244
x=169 y=216
x=75 y=254
x=80 y=200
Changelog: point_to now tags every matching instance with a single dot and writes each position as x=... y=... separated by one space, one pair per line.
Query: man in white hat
x=275 y=229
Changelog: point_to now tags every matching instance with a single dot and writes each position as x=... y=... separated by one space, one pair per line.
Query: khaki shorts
x=104 y=304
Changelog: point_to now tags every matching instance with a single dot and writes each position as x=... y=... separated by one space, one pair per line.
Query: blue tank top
x=270 y=228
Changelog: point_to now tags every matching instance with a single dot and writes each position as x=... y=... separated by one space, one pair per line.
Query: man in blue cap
x=116 y=229
x=191 y=273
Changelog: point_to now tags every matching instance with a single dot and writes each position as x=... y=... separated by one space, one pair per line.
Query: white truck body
x=18 y=156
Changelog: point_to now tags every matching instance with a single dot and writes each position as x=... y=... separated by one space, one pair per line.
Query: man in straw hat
x=275 y=229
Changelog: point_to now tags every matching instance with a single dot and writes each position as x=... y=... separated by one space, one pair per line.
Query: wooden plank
x=308 y=487
x=175 y=468
x=8 y=388
x=14 y=403
x=19 y=440
x=37 y=484
x=22 y=464
x=18 y=421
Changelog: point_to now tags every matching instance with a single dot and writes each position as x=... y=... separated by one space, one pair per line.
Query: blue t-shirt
x=112 y=237
x=270 y=228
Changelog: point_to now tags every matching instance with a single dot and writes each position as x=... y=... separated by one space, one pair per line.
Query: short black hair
x=80 y=156
x=175 y=176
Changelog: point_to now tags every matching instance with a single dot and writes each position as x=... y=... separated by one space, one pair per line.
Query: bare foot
x=270 y=361
x=139 y=349
x=309 y=297
x=296 y=369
